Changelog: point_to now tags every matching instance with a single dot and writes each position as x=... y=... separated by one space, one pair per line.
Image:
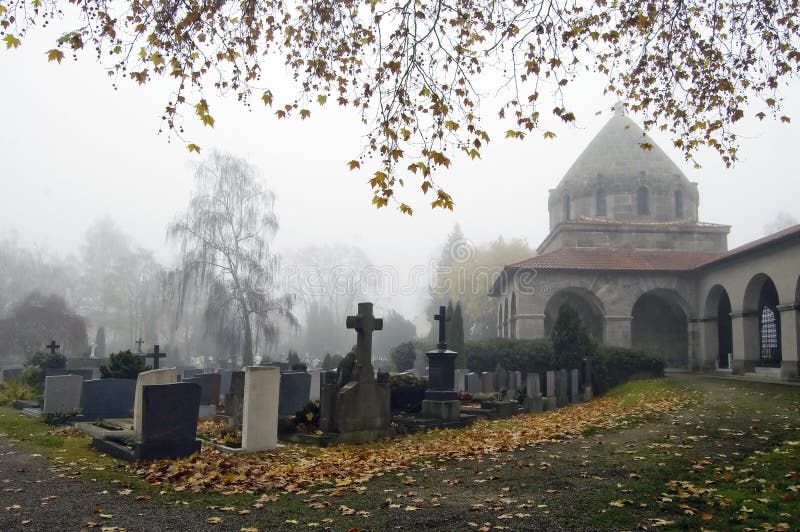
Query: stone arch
x=762 y=321
x=506 y=316
x=513 y=315
x=642 y=200
x=660 y=325
x=719 y=326
x=601 y=203
x=589 y=307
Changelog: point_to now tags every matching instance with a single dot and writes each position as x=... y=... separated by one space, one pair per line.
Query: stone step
x=765 y=373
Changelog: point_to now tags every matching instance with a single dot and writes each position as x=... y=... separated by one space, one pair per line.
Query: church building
x=627 y=250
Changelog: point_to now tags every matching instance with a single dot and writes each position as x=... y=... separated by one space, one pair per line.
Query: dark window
x=601 y=203
x=678 y=204
x=642 y=201
x=567 y=212
x=770 y=350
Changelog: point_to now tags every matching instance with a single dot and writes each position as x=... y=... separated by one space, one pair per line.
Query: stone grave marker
x=260 y=410
x=209 y=393
x=574 y=386
x=533 y=396
x=11 y=373
x=225 y=382
x=62 y=393
x=562 y=383
x=191 y=372
x=168 y=421
x=295 y=390
x=460 y=379
x=487 y=382
x=440 y=398
x=473 y=383
x=500 y=379
x=85 y=373
x=107 y=399
x=588 y=393
x=234 y=400
x=316 y=384
x=549 y=392
x=146 y=378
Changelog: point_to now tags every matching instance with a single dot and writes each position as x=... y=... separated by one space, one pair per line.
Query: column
x=789 y=340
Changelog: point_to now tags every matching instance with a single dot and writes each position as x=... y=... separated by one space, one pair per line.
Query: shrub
x=33 y=376
x=612 y=366
x=12 y=390
x=123 y=365
x=570 y=339
x=403 y=356
x=59 y=418
x=522 y=355
x=407 y=392
x=49 y=360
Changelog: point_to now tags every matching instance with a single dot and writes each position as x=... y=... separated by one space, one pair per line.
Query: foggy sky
x=74 y=150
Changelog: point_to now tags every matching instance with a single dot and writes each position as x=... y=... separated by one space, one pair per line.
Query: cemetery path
x=41 y=495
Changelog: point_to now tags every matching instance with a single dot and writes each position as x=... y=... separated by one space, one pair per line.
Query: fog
x=74 y=151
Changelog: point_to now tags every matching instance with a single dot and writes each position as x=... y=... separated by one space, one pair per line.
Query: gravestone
x=500 y=379
x=588 y=393
x=461 y=383
x=188 y=373
x=168 y=420
x=156 y=355
x=283 y=366
x=295 y=390
x=515 y=380
x=316 y=384
x=533 y=396
x=440 y=397
x=62 y=393
x=85 y=373
x=86 y=362
x=225 y=382
x=209 y=393
x=574 y=386
x=357 y=407
x=487 y=382
x=11 y=373
x=562 y=381
x=107 y=399
x=472 y=382
x=146 y=378
x=234 y=400
x=260 y=410
x=549 y=392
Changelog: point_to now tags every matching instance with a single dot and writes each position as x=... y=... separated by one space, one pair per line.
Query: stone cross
x=364 y=323
x=53 y=346
x=155 y=355
x=441 y=318
x=139 y=343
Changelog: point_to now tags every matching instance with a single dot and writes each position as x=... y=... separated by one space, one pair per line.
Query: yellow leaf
x=405 y=209
x=214 y=520
x=267 y=97
x=193 y=147
x=11 y=41
x=157 y=58
x=321 y=99
x=304 y=113
x=207 y=119
x=354 y=164
x=706 y=517
x=549 y=135
x=55 y=55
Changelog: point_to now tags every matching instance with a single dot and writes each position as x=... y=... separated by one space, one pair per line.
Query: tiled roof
x=616 y=259
x=789 y=232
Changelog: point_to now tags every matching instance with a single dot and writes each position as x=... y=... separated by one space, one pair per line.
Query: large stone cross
x=155 y=355
x=364 y=323
x=139 y=343
x=441 y=318
x=53 y=346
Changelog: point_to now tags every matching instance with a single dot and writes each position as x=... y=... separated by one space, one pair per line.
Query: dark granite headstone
x=169 y=421
x=295 y=391
x=11 y=374
x=86 y=362
x=210 y=385
x=107 y=398
x=191 y=372
x=284 y=366
x=86 y=373
x=234 y=400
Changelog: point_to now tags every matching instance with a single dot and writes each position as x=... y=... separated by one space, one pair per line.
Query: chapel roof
x=616 y=152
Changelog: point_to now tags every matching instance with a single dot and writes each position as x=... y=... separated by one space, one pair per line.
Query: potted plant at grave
x=123 y=365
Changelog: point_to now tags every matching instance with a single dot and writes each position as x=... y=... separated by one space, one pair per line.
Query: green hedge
x=407 y=392
x=612 y=366
x=520 y=355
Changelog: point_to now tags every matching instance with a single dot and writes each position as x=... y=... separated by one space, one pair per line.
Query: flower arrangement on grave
x=218 y=431
x=307 y=419
x=464 y=397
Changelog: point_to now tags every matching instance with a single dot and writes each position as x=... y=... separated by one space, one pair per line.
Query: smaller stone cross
x=139 y=343
x=365 y=323
x=441 y=318
x=155 y=355
x=53 y=346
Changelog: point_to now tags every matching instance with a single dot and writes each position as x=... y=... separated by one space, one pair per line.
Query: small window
x=567 y=211
x=601 y=203
x=678 y=204
x=642 y=201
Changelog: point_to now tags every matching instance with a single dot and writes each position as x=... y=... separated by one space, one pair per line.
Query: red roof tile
x=789 y=232
x=616 y=259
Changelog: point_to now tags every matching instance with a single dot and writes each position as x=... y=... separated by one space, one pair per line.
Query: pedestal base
x=534 y=404
x=550 y=403
x=444 y=410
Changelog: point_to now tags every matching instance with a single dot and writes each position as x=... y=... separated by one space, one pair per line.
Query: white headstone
x=460 y=380
x=62 y=393
x=155 y=376
x=532 y=385
x=314 y=395
x=260 y=413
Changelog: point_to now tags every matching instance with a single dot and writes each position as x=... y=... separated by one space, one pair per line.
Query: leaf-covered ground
x=679 y=453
